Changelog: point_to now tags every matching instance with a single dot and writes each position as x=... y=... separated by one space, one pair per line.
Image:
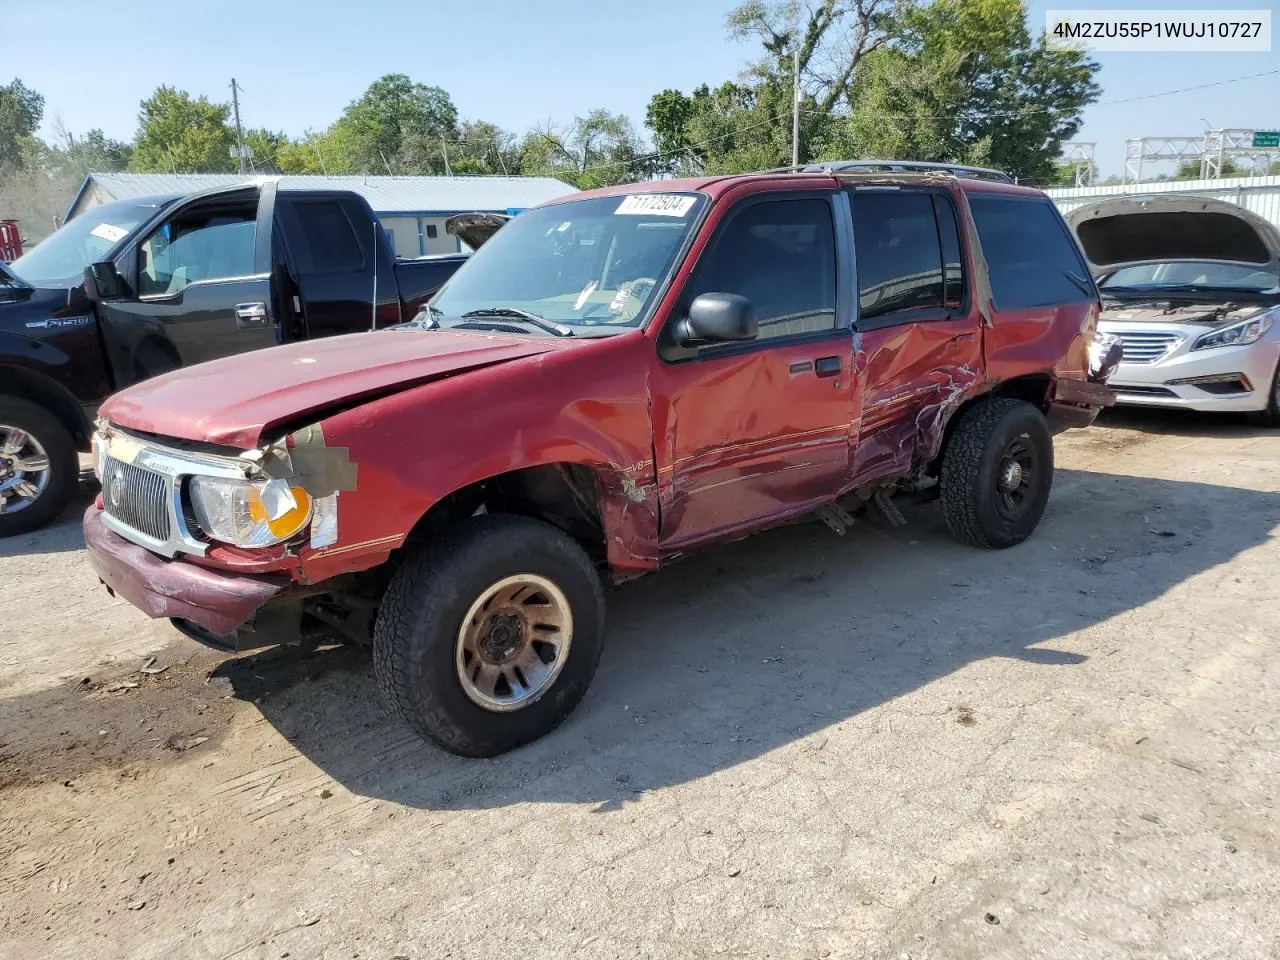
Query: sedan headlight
x=1236 y=335
x=249 y=513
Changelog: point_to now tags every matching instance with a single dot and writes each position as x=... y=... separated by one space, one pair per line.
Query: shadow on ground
x=744 y=648
x=1183 y=423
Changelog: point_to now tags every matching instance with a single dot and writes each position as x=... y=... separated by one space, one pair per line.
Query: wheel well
x=39 y=389
x=563 y=494
x=1033 y=388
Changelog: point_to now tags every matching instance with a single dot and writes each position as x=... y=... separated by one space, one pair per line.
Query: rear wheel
x=997 y=472
x=39 y=468
x=488 y=638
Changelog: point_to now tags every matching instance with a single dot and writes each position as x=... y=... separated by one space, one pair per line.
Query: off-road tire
x=970 y=469
x=1269 y=417
x=416 y=633
x=64 y=464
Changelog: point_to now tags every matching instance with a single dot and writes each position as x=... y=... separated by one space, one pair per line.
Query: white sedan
x=1191 y=286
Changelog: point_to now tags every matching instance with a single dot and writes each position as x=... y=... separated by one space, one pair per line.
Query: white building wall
x=1261 y=195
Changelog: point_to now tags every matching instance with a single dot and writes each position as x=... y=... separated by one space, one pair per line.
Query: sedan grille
x=137 y=497
x=1143 y=347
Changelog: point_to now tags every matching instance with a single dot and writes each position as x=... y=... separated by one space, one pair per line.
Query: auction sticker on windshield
x=109 y=232
x=655 y=204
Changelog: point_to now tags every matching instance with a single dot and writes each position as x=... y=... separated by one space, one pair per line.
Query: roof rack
x=908 y=166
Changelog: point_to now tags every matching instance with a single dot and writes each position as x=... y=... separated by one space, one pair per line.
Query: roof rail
x=908 y=166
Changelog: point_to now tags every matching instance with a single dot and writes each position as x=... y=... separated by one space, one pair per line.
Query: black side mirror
x=717 y=318
x=102 y=281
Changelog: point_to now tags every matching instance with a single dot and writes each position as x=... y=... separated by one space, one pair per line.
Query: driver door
x=201 y=287
x=749 y=433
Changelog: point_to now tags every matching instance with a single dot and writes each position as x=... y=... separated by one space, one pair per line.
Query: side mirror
x=717 y=318
x=102 y=281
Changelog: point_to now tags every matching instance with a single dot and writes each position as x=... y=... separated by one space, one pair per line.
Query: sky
x=299 y=62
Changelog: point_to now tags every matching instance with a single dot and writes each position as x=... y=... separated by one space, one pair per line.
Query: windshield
x=1192 y=273
x=60 y=259
x=580 y=264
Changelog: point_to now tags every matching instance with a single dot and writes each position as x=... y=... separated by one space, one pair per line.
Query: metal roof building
x=413 y=209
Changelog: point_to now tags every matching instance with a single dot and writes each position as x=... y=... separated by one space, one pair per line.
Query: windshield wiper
x=542 y=323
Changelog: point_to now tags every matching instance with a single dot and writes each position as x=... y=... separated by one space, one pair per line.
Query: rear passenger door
x=919 y=340
x=332 y=243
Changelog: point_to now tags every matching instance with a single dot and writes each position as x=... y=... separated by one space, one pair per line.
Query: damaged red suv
x=613 y=380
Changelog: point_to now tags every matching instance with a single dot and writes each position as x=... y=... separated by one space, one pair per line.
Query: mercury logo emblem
x=116 y=493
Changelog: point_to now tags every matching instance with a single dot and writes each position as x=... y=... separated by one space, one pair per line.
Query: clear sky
x=512 y=62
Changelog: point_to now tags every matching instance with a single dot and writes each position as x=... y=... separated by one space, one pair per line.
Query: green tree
x=21 y=110
x=183 y=135
x=266 y=146
x=598 y=150
x=747 y=124
x=396 y=126
x=963 y=80
x=483 y=148
x=1190 y=170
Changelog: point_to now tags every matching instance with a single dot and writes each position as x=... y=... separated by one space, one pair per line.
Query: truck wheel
x=996 y=473
x=39 y=468
x=488 y=639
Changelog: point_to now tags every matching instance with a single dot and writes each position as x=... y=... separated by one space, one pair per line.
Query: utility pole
x=235 y=108
x=795 y=84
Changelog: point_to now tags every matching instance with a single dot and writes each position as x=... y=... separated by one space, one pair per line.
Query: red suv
x=613 y=380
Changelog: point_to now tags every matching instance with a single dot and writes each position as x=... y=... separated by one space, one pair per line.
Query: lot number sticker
x=109 y=232
x=655 y=204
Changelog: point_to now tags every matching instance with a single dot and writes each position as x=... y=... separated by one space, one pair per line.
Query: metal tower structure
x=1212 y=149
x=1080 y=155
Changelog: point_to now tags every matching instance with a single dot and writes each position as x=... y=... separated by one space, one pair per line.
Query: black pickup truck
x=134 y=288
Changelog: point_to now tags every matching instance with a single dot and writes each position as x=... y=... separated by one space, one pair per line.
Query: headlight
x=1236 y=335
x=249 y=513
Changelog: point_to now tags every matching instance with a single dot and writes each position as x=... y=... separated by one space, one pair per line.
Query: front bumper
x=1232 y=379
x=219 y=602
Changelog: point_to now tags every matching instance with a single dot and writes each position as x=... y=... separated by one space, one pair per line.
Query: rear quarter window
x=1033 y=260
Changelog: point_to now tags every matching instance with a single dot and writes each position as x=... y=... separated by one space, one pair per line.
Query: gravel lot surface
x=882 y=745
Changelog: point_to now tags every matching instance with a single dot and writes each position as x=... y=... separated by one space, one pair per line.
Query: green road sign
x=1266 y=138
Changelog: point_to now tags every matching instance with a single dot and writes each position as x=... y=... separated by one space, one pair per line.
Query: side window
x=898 y=253
x=780 y=255
x=211 y=244
x=953 y=278
x=1034 y=262
x=321 y=237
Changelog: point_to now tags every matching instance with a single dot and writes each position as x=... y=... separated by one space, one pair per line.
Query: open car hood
x=475 y=229
x=1129 y=231
x=235 y=401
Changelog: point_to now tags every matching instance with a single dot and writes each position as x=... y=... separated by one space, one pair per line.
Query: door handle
x=251 y=316
x=827 y=366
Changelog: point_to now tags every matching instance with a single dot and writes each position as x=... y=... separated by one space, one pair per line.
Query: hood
x=475 y=229
x=234 y=401
x=1129 y=231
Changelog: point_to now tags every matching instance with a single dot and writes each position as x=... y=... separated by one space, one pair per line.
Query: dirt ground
x=882 y=745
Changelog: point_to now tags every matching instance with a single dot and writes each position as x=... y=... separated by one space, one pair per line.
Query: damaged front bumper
x=1077 y=403
x=221 y=603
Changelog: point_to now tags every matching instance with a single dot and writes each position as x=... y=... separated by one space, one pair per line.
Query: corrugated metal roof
x=385 y=194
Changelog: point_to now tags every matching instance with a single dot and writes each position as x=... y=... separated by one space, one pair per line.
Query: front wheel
x=39 y=468
x=488 y=639
x=996 y=473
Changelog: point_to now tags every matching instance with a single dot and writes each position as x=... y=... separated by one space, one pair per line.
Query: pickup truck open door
x=199 y=283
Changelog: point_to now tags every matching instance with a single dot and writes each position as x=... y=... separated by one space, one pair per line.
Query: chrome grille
x=137 y=497
x=1146 y=347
